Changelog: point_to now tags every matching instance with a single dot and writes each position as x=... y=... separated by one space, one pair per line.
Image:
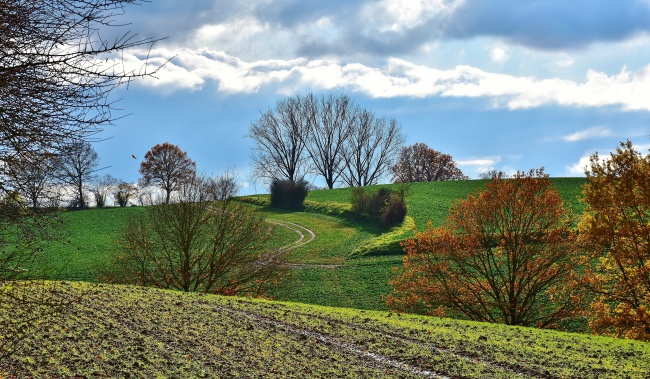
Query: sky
x=502 y=85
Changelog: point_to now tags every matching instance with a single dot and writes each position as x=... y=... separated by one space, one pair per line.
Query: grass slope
x=337 y=268
x=132 y=332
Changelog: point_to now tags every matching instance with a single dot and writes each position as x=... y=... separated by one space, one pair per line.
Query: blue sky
x=498 y=84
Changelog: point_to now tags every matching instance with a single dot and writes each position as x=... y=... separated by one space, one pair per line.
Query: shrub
x=387 y=207
x=287 y=194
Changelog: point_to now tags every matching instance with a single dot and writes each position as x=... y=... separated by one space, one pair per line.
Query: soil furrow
x=333 y=341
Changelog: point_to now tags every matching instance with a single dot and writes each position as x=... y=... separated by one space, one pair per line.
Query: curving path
x=305 y=236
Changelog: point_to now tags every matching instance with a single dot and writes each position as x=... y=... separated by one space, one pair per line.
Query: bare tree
x=220 y=188
x=197 y=245
x=78 y=162
x=330 y=123
x=371 y=149
x=101 y=187
x=56 y=75
x=420 y=163
x=123 y=193
x=168 y=167
x=493 y=174
x=33 y=175
x=279 y=151
x=55 y=72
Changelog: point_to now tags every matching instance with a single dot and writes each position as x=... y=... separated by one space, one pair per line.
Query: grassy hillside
x=431 y=201
x=132 y=332
x=326 y=271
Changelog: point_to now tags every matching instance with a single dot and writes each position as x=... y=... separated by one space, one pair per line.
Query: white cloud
x=397 y=78
x=596 y=132
x=478 y=166
x=400 y=15
x=579 y=167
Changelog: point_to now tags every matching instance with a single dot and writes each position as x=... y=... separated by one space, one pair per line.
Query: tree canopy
x=616 y=228
x=168 y=167
x=420 y=163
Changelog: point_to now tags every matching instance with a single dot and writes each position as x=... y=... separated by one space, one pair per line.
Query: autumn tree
x=616 y=225
x=78 y=162
x=330 y=123
x=420 y=163
x=505 y=254
x=371 y=149
x=168 y=167
x=197 y=245
x=279 y=151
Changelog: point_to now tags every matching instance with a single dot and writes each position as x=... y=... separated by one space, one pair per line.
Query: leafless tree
x=168 y=167
x=33 y=175
x=101 y=187
x=330 y=123
x=56 y=72
x=220 y=188
x=78 y=163
x=197 y=245
x=56 y=75
x=372 y=149
x=123 y=193
x=279 y=151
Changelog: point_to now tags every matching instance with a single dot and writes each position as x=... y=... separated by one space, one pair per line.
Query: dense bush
x=387 y=207
x=288 y=194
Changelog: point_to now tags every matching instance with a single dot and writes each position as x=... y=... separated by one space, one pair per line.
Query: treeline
x=332 y=138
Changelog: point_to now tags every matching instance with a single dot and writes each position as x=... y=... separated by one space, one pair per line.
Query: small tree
x=78 y=162
x=419 y=163
x=167 y=167
x=616 y=225
x=197 y=245
x=102 y=186
x=506 y=254
x=220 y=188
x=123 y=193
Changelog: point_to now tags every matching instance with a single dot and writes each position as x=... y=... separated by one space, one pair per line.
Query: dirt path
x=298 y=229
x=305 y=236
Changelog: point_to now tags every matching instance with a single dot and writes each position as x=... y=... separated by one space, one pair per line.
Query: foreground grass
x=132 y=332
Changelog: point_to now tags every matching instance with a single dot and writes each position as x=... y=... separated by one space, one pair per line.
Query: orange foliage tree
x=616 y=224
x=505 y=255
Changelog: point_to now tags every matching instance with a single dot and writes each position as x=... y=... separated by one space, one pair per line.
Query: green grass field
x=118 y=331
x=326 y=271
x=134 y=332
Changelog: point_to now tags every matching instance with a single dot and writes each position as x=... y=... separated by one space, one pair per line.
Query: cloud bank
x=192 y=69
x=289 y=28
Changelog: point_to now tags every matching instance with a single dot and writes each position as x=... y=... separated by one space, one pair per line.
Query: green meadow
x=327 y=319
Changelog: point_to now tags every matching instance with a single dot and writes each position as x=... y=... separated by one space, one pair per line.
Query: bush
x=287 y=194
x=387 y=207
